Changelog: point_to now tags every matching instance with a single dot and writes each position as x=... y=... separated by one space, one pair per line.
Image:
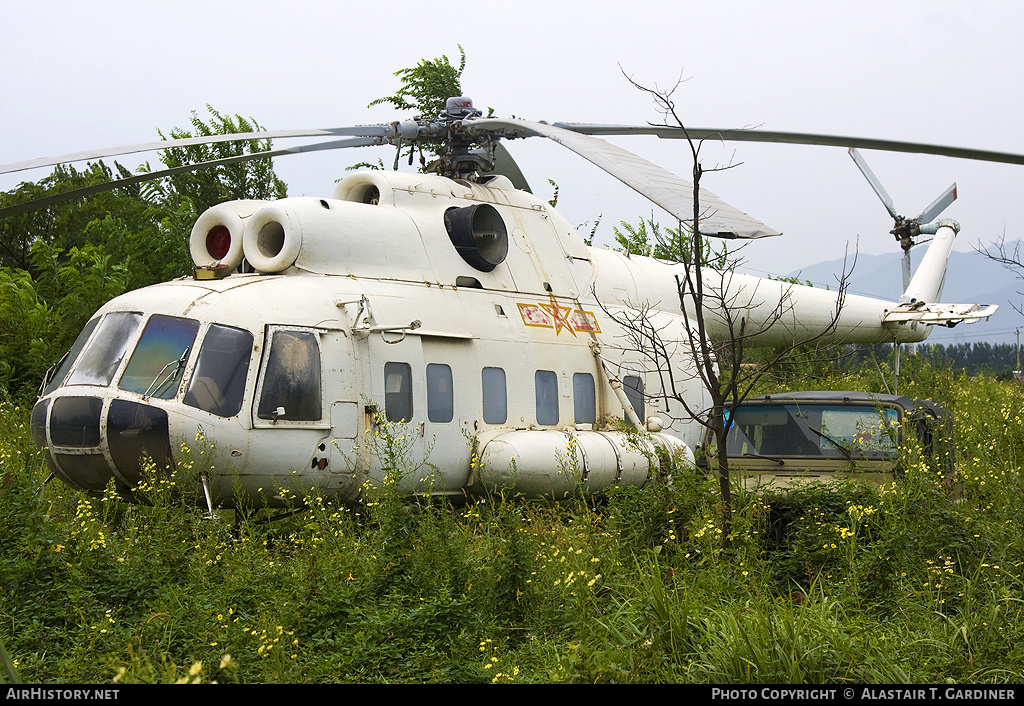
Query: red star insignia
x=560 y=314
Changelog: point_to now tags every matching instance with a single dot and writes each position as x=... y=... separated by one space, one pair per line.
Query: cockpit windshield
x=159 y=360
x=55 y=381
x=102 y=356
x=813 y=430
x=157 y=364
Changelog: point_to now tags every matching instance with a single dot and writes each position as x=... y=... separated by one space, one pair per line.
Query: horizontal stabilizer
x=940 y=314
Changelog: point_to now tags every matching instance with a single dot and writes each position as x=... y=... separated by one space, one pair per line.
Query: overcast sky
x=81 y=75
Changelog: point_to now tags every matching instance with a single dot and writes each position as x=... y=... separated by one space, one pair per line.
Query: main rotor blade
x=938 y=205
x=504 y=164
x=151 y=176
x=873 y=180
x=361 y=131
x=795 y=138
x=662 y=187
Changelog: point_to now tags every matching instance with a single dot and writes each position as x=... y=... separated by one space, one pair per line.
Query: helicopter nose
x=90 y=442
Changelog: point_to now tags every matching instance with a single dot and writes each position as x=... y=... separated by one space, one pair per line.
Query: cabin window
x=69 y=358
x=291 y=380
x=584 y=398
x=545 y=383
x=102 y=356
x=158 y=361
x=440 y=398
x=495 y=396
x=218 y=383
x=398 y=392
x=633 y=386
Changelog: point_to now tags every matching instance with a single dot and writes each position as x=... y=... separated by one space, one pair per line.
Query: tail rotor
x=906 y=230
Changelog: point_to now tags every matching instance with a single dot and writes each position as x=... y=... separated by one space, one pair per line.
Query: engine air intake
x=216 y=240
x=479 y=234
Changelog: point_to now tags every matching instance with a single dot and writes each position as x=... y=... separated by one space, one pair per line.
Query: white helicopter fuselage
x=376 y=339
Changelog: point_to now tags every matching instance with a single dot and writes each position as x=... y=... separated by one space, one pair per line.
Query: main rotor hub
x=456 y=158
x=459 y=107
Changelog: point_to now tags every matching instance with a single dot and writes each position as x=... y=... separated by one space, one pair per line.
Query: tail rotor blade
x=938 y=205
x=873 y=180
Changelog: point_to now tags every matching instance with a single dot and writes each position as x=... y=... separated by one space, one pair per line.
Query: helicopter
x=450 y=318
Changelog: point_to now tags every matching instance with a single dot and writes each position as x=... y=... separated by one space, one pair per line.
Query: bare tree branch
x=723 y=313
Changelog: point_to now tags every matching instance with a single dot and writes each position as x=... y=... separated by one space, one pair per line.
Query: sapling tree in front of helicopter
x=716 y=313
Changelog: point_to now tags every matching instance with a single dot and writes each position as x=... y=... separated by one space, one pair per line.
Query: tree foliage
x=67 y=224
x=670 y=244
x=207 y=187
x=427 y=86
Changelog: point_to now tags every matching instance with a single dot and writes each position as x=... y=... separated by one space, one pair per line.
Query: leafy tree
x=204 y=188
x=427 y=86
x=67 y=224
x=672 y=244
x=26 y=326
x=425 y=90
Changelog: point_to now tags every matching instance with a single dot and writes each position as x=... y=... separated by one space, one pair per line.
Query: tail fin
x=920 y=302
x=926 y=284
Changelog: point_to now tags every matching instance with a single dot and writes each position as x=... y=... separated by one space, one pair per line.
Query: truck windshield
x=814 y=430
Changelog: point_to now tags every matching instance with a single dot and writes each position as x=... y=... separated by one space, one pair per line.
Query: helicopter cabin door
x=397 y=423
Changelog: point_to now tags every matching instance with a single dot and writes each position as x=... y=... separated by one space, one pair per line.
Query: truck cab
x=778 y=441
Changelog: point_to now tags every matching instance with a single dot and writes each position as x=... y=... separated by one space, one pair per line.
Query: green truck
x=776 y=441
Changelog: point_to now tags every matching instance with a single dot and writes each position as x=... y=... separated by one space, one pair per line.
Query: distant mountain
x=970 y=278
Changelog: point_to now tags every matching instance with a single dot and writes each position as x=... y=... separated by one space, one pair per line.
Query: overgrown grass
x=902 y=583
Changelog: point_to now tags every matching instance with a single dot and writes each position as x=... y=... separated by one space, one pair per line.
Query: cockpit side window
x=291 y=381
x=69 y=359
x=158 y=361
x=102 y=356
x=218 y=382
